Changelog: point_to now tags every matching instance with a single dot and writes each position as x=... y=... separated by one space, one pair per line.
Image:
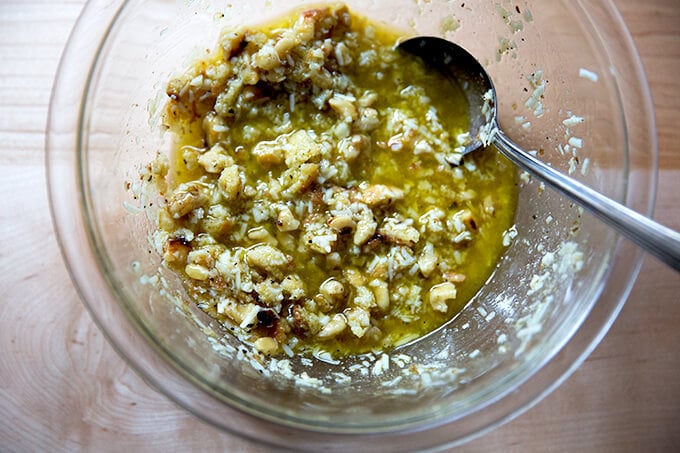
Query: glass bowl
x=551 y=299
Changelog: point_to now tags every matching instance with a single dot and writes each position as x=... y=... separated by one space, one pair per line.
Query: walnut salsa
x=316 y=201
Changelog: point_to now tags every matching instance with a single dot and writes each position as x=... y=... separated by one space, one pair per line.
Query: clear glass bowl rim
x=65 y=180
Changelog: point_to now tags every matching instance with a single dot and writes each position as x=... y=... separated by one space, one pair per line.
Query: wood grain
x=62 y=386
x=654 y=26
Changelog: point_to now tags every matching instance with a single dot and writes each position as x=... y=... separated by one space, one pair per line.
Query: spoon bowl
x=462 y=69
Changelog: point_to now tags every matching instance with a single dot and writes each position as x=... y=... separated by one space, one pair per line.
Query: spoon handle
x=656 y=239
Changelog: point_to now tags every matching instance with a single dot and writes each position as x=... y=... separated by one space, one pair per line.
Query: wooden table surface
x=63 y=387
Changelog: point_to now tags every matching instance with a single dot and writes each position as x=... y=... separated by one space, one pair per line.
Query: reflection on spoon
x=462 y=68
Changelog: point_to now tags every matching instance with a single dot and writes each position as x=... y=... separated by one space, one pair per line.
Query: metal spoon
x=457 y=64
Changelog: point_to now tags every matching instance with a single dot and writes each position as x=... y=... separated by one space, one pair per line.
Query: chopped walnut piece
x=230 y=182
x=301 y=148
x=350 y=148
x=453 y=277
x=298 y=179
x=186 y=198
x=268 y=153
x=231 y=42
x=267 y=345
x=335 y=326
x=354 y=277
x=215 y=159
x=398 y=232
x=261 y=235
x=286 y=221
x=364 y=298
x=440 y=294
x=381 y=293
x=218 y=221
x=427 y=261
x=342 y=224
x=332 y=289
x=267 y=58
x=293 y=287
x=197 y=272
x=366 y=226
x=344 y=106
x=489 y=207
x=358 y=320
x=176 y=250
x=380 y=194
x=267 y=257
